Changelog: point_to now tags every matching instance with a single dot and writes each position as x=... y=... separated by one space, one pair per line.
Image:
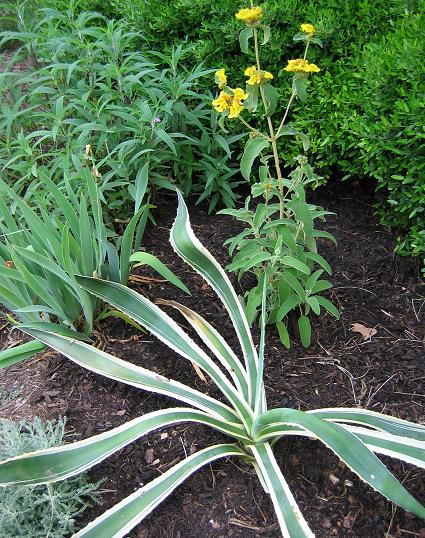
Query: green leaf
x=252 y=150
x=266 y=33
x=328 y=306
x=283 y=334
x=145 y=258
x=127 y=244
x=294 y=283
x=319 y=260
x=314 y=304
x=290 y=131
x=244 y=37
x=141 y=185
x=292 y=302
x=299 y=85
x=271 y=95
x=304 y=327
x=296 y=264
x=20 y=353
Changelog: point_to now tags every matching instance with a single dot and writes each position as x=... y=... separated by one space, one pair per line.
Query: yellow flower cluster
x=232 y=103
x=257 y=77
x=250 y=15
x=301 y=66
x=308 y=28
x=220 y=78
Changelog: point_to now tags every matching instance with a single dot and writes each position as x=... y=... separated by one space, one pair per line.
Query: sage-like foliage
x=354 y=435
x=91 y=81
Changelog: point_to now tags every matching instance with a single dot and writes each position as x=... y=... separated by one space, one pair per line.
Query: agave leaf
x=189 y=248
x=291 y=520
x=121 y=518
x=103 y=363
x=54 y=464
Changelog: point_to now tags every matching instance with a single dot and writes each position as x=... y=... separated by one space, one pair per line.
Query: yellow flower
x=250 y=15
x=220 y=78
x=257 y=77
x=301 y=66
x=222 y=102
x=308 y=28
x=232 y=103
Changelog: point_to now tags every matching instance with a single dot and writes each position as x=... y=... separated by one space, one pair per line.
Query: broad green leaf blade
x=165 y=329
x=291 y=302
x=266 y=33
x=144 y=258
x=291 y=520
x=252 y=150
x=189 y=248
x=372 y=419
x=351 y=450
x=244 y=37
x=304 y=327
x=120 y=519
x=54 y=464
x=215 y=343
x=271 y=96
x=283 y=334
x=20 y=353
x=103 y=363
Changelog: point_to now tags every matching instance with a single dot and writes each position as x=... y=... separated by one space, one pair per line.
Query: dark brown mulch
x=372 y=286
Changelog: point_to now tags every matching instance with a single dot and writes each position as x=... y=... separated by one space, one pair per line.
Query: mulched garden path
x=372 y=286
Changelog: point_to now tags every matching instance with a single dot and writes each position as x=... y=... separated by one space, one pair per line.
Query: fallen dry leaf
x=366 y=332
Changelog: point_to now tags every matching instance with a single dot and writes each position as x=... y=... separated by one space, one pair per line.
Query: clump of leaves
x=46 y=510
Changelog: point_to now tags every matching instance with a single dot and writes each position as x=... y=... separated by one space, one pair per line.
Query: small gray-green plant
x=279 y=244
x=40 y=511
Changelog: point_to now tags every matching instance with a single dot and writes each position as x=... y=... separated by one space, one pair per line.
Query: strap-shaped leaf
x=165 y=329
x=144 y=258
x=252 y=150
x=54 y=464
x=215 y=343
x=20 y=353
x=402 y=448
x=103 y=363
x=372 y=419
x=119 y=520
x=351 y=450
x=188 y=247
x=291 y=520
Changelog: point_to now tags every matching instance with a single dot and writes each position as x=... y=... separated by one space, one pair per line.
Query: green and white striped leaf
x=54 y=464
x=119 y=520
x=351 y=450
x=165 y=329
x=103 y=363
x=189 y=248
x=215 y=343
x=291 y=520
x=364 y=417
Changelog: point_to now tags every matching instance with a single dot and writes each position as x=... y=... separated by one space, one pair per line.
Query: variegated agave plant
x=355 y=435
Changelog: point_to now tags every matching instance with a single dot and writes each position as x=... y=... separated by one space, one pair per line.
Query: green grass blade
x=144 y=258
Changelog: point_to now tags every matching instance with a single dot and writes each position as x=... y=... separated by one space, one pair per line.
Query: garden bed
x=372 y=286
